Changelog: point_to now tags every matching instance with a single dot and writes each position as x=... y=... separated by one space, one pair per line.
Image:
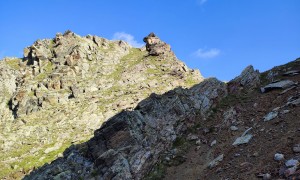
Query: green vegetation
x=51 y=44
x=233 y=99
x=158 y=172
x=179 y=141
x=194 y=129
x=134 y=57
x=48 y=68
x=14 y=63
x=190 y=81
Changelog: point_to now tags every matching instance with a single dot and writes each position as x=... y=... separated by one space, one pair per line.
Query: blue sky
x=219 y=37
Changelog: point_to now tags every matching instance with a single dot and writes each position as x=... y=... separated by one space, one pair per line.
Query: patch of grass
x=158 y=172
x=134 y=57
x=194 y=129
x=190 y=81
x=48 y=68
x=233 y=99
x=14 y=63
x=179 y=141
x=29 y=162
x=51 y=44
x=40 y=77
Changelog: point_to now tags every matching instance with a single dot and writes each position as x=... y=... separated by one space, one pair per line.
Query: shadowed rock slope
x=245 y=129
x=64 y=88
x=253 y=133
x=129 y=144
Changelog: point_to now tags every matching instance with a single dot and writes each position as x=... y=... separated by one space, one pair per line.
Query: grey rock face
x=249 y=78
x=130 y=143
x=284 y=84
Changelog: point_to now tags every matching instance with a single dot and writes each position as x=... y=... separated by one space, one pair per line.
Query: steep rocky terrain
x=245 y=129
x=152 y=117
x=253 y=133
x=64 y=88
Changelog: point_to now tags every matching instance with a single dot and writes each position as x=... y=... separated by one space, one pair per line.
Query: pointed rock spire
x=155 y=46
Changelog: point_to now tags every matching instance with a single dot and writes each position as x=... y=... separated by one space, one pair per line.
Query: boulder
x=284 y=84
x=249 y=79
x=155 y=46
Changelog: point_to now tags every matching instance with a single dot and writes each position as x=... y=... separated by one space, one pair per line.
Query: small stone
x=15 y=167
x=244 y=139
x=174 y=151
x=296 y=148
x=216 y=161
x=291 y=163
x=213 y=143
x=267 y=176
x=41 y=158
x=198 y=148
x=278 y=157
x=285 y=111
x=192 y=137
x=270 y=116
x=237 y=154
x=60 y=155
x=255 y=154
x=234 y=128
x=290 y=171
x=206 y=130
x=276 y=109
x=198 y=142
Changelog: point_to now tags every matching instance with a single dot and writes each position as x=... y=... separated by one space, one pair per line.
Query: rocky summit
x=90 y=108
x=64 y=88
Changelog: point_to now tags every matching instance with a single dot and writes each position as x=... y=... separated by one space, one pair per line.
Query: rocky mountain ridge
x=247 y=128
x=64 y=88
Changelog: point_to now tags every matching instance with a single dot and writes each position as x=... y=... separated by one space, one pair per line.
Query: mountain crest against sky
x=102 y=109
x=64 y=88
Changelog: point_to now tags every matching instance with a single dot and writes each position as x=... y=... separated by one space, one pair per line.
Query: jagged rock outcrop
x=8 y=85
x=66 y=87
x=130 y=143
x=155 y=46
x=248 y=79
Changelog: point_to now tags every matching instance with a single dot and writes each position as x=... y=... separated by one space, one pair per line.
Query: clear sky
x=219 y=37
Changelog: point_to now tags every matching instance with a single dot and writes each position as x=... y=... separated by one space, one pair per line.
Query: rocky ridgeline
x=247 y=128
x=144 y=126
x=64 y=88
x=129 y=144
